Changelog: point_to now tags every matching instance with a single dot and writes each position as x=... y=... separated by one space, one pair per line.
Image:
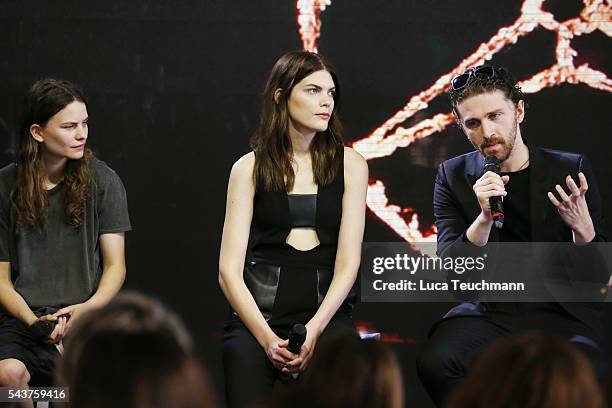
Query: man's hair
x=502 y=80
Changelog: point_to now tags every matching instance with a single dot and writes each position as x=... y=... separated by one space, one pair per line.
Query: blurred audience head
x=347 y=372
x=609 y=389
x=528 y=371
x=132 y=353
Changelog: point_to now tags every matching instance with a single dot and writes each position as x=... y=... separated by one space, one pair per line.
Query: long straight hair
x=46 y=98
x=271 y=142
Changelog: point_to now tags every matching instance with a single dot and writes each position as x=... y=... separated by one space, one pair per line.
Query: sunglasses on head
x=482 y=72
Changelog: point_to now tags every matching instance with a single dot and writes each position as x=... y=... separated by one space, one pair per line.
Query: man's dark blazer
x=456 y=207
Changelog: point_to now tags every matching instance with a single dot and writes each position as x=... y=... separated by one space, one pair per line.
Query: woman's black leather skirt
x=303 y=288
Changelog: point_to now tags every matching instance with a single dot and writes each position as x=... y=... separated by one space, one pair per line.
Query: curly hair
x=501 y=80
x=45 y=98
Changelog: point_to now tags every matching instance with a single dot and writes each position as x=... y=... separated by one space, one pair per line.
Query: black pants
x=455 y=343
x=249 y=374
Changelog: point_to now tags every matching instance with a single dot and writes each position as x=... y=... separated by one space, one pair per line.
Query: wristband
x=41 y=329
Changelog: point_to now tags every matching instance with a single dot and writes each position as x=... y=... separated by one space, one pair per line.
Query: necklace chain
x=523 y=165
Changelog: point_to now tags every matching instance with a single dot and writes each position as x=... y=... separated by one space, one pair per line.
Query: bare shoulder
x=354 y=163
x=243 y=167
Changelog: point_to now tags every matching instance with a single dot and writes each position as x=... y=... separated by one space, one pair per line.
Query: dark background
x=174 y=89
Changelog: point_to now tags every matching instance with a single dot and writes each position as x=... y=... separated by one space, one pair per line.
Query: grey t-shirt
x=61 y=265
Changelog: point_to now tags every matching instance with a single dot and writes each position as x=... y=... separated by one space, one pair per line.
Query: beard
x=505 y=146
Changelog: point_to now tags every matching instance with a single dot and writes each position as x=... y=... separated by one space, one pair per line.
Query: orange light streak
x=310 y=22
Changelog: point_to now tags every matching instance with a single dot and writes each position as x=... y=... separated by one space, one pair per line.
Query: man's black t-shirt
x=516 y=208
x=545 y=316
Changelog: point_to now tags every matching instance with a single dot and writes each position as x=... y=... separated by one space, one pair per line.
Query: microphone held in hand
x=497 y=209
x=297 y=337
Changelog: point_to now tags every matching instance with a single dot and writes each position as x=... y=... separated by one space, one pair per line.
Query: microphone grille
x=299 y=330
x=491 y=160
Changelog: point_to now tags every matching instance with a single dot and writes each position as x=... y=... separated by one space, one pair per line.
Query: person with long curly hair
x=63 y=214
x=299 y=198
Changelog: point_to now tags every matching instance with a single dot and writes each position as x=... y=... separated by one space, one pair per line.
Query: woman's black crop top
x=275 y=213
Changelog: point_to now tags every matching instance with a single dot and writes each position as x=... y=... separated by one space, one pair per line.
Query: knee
x=427 y=361
x=435 y=360
x=13 y=373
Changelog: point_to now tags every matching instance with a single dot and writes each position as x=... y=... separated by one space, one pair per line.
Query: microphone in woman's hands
x=297 y=336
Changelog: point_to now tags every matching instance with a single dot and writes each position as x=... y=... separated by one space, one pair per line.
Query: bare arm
x=15 y=305
x=11 y=300
x=112 y=247
x=236 y=229
x=348 y=255
x=478 y=231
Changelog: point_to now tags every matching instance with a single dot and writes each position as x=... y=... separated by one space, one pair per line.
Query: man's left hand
x=573 y=208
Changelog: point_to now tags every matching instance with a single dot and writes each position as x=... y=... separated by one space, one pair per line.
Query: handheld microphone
x=497 y=209
x=297 y=336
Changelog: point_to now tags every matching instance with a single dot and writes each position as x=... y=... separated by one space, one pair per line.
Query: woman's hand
x=70 y=314
x=301 y=361
x=278 y=354
x=58 y=331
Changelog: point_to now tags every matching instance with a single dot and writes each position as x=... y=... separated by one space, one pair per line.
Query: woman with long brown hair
x=299 y=199
x=63 y=214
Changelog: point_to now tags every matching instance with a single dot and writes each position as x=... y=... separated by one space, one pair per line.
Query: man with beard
x=548 y=196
